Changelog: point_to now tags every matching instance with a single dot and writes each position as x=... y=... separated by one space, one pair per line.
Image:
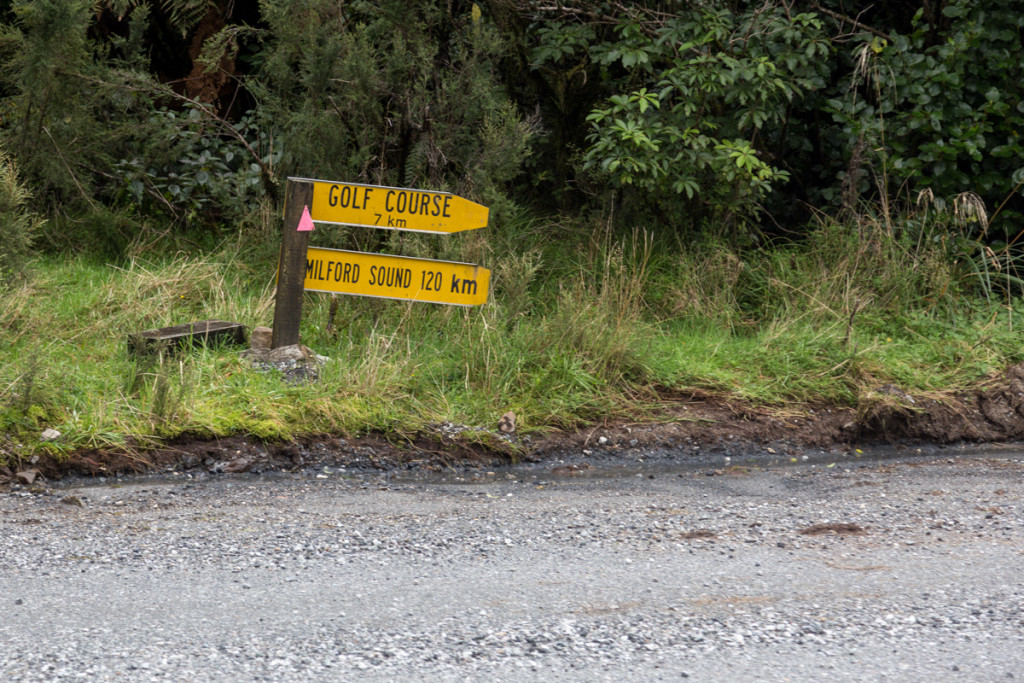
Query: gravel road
x=855 y=570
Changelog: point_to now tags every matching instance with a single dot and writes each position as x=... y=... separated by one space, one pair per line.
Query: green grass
x=583 y=325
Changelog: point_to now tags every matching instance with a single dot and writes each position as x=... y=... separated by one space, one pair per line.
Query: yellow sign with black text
x=394 y=208
x=395 y=277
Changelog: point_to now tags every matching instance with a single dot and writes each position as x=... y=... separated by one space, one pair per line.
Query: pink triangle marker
x=306 y=222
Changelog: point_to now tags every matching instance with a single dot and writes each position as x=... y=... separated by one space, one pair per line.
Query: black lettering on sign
x=346 y=272
x=387 y=276
x=347 y=196
x=463 y=286
x=431 y=281
x=337 y=271
x=413 y=204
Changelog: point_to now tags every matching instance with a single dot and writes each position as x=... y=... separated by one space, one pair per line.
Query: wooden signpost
x=376 y=275
x=291 y=266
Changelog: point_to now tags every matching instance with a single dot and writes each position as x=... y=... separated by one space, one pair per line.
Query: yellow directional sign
x=394 y=208
x=395 y=277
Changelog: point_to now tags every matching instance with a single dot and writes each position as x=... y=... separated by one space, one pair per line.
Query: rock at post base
x=296 y=362
x=260 y=338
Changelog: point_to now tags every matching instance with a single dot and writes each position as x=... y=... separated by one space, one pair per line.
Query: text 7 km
x=391 y=222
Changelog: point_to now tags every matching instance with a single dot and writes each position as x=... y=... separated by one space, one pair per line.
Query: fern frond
x=183 y=15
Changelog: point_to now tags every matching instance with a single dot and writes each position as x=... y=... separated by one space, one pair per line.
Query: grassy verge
x=583 y=324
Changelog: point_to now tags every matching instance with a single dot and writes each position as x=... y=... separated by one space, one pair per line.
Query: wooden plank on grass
x=188 y=334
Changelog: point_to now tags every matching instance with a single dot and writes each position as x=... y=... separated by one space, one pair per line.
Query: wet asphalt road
x=896 y=570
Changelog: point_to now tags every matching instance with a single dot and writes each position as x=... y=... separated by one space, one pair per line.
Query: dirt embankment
x=991 y=412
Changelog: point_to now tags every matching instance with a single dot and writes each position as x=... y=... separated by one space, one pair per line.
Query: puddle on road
x=578 y=469
x=662 y=464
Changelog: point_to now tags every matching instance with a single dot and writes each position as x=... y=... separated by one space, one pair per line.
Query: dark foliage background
x=129 y=120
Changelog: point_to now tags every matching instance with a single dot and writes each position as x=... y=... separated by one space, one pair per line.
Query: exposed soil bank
x=690 y=428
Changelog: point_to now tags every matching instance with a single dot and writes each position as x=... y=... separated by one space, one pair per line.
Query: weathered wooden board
x=189 y=334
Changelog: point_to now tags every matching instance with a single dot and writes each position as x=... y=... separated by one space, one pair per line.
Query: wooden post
x=291 y=265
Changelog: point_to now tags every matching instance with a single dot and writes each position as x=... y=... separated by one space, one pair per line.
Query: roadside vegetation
x=779 y=204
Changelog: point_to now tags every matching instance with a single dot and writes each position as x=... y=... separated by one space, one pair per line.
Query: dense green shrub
x=96 y=134
x=729 y=117
x=49 y=126
x=940 y=107
x=197 y=168
x=706 y=87
x=18 y=223
x=392 y=93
